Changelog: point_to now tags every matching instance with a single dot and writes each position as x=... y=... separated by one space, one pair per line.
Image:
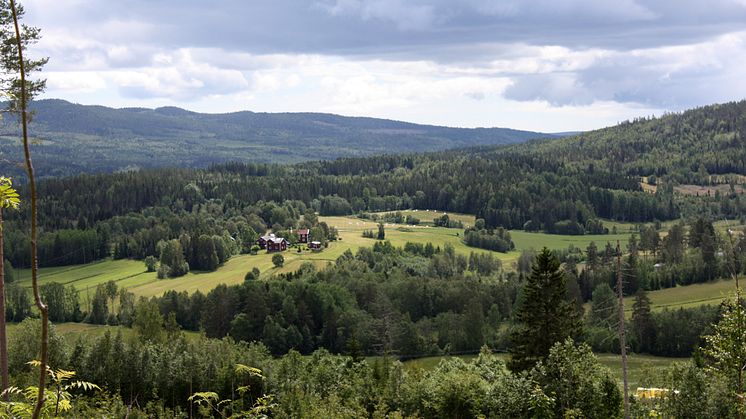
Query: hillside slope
x=75 y=138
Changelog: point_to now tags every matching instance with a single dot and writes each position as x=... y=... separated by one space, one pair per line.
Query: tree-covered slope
x=684 y=147
x=74 y=138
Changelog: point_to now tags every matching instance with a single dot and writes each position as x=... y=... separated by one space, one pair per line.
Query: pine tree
x=643 y=326
x=545 y=315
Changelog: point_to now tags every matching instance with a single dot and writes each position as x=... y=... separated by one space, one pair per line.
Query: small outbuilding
x=315 y=246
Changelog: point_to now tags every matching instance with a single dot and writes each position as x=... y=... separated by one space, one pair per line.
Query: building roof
x=303 y=231
x=277 y=240
x=315 y=242
x=267 y=237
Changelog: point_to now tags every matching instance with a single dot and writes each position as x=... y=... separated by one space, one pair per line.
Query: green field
x=642 y=369
x=71 y=331
x=687 y=296
x=132 y=275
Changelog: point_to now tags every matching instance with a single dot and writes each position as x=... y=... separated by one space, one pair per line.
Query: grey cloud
x=469 y=33
x=407 y=29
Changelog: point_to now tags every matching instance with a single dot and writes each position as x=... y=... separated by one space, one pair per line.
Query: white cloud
x=468 y=63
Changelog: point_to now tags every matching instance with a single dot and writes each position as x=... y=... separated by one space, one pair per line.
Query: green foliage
x=58 y=401
x=9 y=198
x=725 y=348
x=148 y=321
x=278 y=260
x=172 y=262
x=572 y=375
x=151 y=263
x=545 y=316
x=24 y=345
x=498 y=239
x=604 y=311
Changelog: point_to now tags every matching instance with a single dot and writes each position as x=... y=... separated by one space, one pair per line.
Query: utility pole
x=622 y=340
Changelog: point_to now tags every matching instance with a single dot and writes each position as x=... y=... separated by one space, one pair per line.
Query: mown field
x=132 y=275
x=642 y=369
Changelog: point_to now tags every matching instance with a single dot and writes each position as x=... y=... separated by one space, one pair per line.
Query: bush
x=278 y=260
x=151 y=263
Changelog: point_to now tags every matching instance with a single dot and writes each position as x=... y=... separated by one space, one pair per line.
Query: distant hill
x=698 y=146
x=73 y=138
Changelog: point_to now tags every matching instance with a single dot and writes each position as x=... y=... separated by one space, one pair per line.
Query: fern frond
x=250 y=371
x=85 y=385
x=64 y=374
x=204 y=396
x=65 y=405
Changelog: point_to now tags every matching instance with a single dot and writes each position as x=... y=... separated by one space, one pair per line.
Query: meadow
x=132 y=275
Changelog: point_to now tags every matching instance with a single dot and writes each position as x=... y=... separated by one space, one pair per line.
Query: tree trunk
x=43 y=310
x=4 y=380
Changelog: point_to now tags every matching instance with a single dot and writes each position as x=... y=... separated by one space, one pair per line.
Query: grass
x=686 y=296
x=131 y=274
x=72 y=331
x=643 y=370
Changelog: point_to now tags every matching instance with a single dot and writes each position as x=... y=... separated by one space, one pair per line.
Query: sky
x=541 y=65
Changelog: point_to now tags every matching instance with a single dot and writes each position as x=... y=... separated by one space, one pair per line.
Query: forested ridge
x=73 y=138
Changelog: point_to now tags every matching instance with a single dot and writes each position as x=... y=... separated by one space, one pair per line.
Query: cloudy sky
x=545 y=65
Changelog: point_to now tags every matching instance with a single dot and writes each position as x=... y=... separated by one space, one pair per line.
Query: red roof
x=303 y=231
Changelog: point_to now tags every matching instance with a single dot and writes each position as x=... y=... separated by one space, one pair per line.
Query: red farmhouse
x=277 y=244
x=303 y=235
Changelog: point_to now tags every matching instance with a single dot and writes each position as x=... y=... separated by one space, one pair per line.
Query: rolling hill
x=72 y=138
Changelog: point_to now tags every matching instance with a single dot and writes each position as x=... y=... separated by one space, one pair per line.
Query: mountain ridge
x=74 y=138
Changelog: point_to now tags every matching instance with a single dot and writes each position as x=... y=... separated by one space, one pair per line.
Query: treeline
x=684 y=255
x=498 y=239
x=559 y=186
x=411 y=301
x=155 y=373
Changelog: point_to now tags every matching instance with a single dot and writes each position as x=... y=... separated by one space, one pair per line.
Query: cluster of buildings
x=278 y=244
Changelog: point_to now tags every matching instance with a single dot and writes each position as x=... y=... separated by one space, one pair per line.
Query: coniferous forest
x=513 y=331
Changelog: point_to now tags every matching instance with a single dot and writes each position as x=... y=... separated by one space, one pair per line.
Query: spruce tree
x=545 y=316
x=643 y=325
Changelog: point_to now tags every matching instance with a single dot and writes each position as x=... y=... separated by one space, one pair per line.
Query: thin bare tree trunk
x=622 y=339
x=5 y=381
x=43 y=310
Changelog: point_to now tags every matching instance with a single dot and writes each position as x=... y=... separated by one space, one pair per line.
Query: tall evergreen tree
x=545 y=315
x=643 y=325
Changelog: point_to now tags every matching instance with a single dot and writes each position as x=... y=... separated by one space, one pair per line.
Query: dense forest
x=562 y=186
x=73 y=139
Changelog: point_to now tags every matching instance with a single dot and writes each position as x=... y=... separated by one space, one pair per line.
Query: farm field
x=131 y=274
x=641 y=368
x=686 y=296
x=72 y=331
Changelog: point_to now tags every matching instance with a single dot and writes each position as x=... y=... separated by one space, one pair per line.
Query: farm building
x=277 y=244
x=303 y=235
x=262 y=242
x=314 y=245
